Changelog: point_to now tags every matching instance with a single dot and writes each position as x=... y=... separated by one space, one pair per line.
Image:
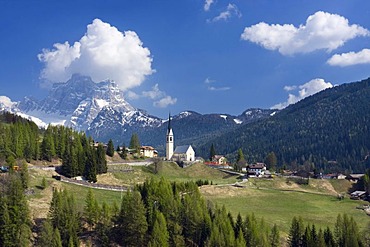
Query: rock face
x=101 y=111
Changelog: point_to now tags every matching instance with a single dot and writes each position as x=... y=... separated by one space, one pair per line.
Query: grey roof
x=182 y=149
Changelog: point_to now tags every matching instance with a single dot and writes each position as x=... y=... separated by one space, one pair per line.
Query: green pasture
x=278 y=207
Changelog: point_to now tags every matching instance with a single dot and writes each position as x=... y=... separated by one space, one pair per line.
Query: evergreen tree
x=212 y=152
x=135 y=142
x=90 y=210
x=46 y=235
x=57 y=240
x=275 y=236
x=131 y=224
x=159 y=236
x=104 y=225
x=101 y=161
x=24 y=175
x=271 y=161
x=6 y=236
x=110 y=148
x=295 y=233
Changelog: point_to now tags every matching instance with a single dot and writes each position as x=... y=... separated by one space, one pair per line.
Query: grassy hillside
x=275 y=200
x=278 y=201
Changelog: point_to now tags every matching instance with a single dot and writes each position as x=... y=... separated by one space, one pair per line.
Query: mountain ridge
x=330 y=127
x=101 y=110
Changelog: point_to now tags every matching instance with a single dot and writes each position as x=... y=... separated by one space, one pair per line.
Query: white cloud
x=6 y=102
x=289 y=88
x=207 y=5
x=164 y=102
x=218 y=88
x=103 y=52
x=132 y=95
x=350 y=58
x=208 y=80
x=155 y=93
x=161 y=99
x=321 y=31
x=307 y=89
x=231 y=10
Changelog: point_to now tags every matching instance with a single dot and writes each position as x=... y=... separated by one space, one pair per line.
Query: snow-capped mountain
x=77 y=102
x=101 y=111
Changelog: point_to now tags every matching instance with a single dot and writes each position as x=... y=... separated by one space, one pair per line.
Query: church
x=181 y=153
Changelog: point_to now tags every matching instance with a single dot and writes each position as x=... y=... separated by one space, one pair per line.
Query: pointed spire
x=169 y=121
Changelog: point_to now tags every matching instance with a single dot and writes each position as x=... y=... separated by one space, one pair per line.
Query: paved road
x=131 y=163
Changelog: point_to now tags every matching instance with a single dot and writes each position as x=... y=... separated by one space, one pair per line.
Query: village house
x=219 y=159
x=358 y=195
x=148 y=151
x=354 y=177
x=257 y=169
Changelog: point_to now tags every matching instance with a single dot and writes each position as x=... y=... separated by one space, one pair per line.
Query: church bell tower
x=169 y=140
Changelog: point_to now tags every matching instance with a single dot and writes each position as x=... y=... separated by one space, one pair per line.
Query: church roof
x=182 y=149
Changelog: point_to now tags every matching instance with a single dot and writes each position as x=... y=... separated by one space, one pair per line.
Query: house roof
x=218 y=156
x=358 y=193
x=257 y=166
x=147 y=148
x=182 y=149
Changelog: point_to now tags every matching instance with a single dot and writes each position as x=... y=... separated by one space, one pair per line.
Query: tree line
x=161 y=213
x=329 y=130
x=22 y=139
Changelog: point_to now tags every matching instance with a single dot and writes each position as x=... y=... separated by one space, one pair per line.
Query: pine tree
x=271 y=161
x=131 y=221
x=159 y=236
x=275 y=236
x=101 y=161
x=57 y=241
x=212 y=152
x=110 y=148
x=295 y=233
x=6 y=236
x=90 y=210
x=135 y=142
x=46 y=235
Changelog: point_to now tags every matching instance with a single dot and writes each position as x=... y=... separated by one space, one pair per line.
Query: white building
x=184 y=153
x=169 y=140
x=148 y=151
x=181 y=153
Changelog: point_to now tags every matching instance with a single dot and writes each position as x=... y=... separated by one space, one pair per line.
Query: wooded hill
x=329 y=130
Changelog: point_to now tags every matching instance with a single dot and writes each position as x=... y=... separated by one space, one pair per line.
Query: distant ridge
x=329 y=130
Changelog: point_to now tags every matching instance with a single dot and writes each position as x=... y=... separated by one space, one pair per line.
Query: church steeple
x=169 y=123
x=169 y=139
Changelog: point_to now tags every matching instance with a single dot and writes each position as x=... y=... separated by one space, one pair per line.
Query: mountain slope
x=329 y=129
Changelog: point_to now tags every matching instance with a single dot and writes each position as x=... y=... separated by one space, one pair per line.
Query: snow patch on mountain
x=238 y=121
x=223 y=116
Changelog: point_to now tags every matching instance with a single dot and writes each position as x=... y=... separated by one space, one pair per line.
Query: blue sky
x=202 y=55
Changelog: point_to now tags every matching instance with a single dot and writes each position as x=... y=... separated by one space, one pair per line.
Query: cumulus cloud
x=350 y=58
x=231 y=10
x=321 y=31
x=207 y=5
x=161 y=99
x=103 y=52
x=305 y=90
x=164 y=102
